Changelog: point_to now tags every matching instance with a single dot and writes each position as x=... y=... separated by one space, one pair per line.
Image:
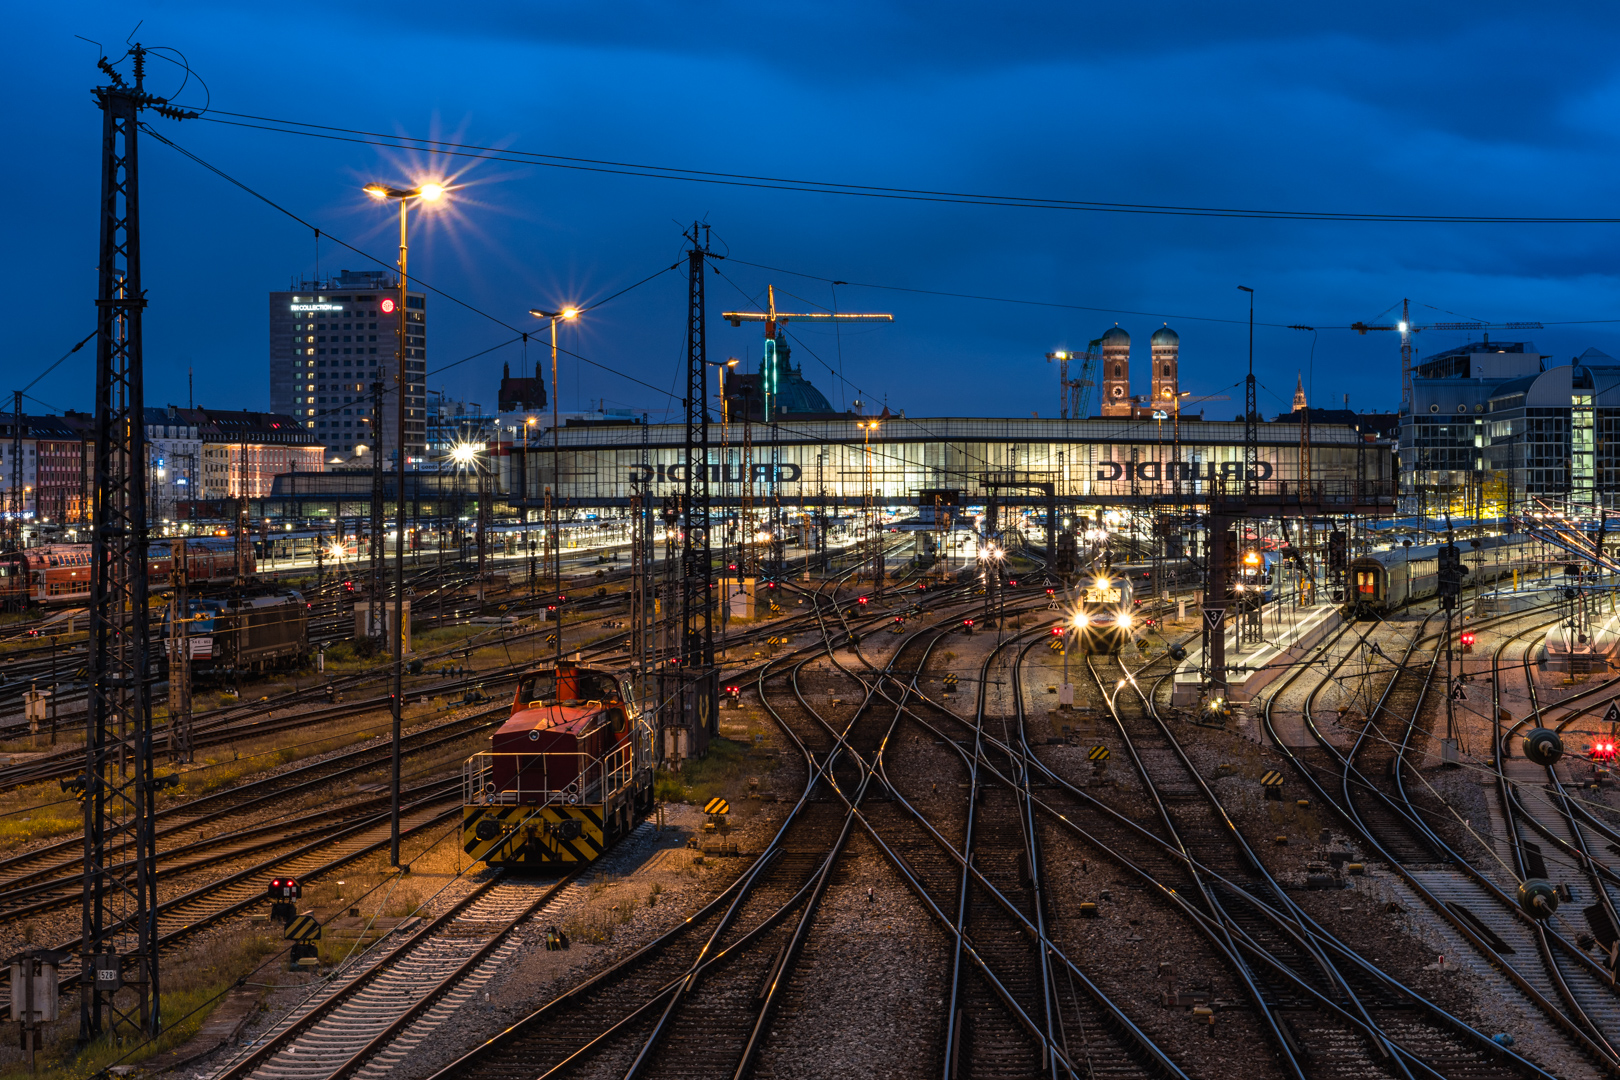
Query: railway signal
x=1466 y=640
x=967 y=626
x=282 y=893
x=1602 y=750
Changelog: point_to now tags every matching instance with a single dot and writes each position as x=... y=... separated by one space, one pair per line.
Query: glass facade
x=815 y=461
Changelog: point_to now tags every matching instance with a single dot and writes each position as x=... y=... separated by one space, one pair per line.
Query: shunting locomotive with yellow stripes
x=567 y=774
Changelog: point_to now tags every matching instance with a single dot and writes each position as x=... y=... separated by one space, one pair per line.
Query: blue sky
x=1485 y=108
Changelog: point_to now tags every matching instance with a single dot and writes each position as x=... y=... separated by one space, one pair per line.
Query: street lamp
x=555 y=537
x=430 y=192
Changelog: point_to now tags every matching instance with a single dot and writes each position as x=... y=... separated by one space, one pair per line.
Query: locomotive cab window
x=618 y=721
x=535 y=690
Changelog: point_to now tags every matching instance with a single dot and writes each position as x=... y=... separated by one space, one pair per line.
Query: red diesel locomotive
x=568 y=773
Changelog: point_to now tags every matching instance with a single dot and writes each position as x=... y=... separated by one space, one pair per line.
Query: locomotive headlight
x=1102 y=583
x=1081 y=621
x=1124 y=620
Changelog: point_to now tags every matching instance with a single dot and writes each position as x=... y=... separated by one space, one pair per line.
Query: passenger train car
x=568 y=773
x=1385 y=580
x=58 y=575
x=1107 y=611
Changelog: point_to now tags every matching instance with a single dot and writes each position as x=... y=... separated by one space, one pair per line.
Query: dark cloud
x=1383 y=107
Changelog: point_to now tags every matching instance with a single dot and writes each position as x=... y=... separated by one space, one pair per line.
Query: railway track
x=181 y=917
x=639 y=1015
x=1398 y=830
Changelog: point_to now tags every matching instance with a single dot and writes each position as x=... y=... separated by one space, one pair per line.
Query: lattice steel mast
x=120 y=886
x=697 y=569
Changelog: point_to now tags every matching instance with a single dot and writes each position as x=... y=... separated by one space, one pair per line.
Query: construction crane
x=768 y=381
x=1073 y=399
x=1407 y=329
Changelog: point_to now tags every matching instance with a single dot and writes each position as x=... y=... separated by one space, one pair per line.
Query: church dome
x=1165 y=336
x=1116 y=335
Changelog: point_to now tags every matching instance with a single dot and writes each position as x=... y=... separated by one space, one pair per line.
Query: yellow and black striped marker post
x=717 y=806
x=1056 y=645
x=1098 y=753
x=1272 y=781
x=551 y=639
x=303 y=928
x=950 y=684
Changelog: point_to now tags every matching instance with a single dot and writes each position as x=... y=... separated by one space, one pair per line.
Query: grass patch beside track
x=721 y=773
x=192 y=981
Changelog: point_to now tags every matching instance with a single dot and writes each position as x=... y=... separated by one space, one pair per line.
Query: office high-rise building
x=330 y=341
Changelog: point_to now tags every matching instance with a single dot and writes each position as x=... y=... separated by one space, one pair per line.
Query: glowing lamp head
x=569 y=313
x=430 y=192
x=387 y=306
x=463 y=453
x=376 y=191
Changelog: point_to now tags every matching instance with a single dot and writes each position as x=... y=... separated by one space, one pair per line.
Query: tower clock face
x=1119 y=391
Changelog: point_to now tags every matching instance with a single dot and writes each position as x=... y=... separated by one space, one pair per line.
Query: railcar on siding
x=58 y=575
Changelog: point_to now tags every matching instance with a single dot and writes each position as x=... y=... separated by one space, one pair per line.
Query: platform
x=1289 y=633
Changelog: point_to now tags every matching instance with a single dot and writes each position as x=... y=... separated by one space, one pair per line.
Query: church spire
x=1299 y=393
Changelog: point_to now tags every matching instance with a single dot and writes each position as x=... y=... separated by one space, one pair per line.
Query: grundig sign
x=785 y=473
x=1231 y=471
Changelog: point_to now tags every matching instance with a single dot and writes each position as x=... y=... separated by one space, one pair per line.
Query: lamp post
x=528 y=425
x=429 y=193
x=554 y=535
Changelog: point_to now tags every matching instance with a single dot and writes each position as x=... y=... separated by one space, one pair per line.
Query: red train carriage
x=58 y=575
x=567 y=774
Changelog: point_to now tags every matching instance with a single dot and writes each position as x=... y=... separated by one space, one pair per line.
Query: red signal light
x=1467 y=637
x=862 y=600
x=387 y=307
x=1048 y=592
x=1057 y=631
x=967 y=622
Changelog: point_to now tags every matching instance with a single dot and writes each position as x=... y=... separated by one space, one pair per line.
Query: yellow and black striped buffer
x=1098 y=753
x=1271 y=778
x=532 y=835
x=717 y=806
x=303 y=928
